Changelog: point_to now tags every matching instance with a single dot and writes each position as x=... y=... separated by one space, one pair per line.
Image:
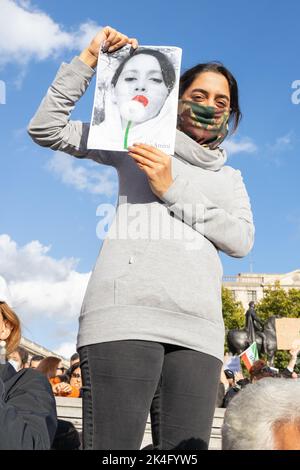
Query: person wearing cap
x=234 y=386
x=28 y=418
x=229 y=374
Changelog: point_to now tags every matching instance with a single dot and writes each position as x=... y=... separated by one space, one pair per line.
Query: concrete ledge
x=70 y=409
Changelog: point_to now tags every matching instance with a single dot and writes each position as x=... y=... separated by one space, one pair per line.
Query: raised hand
x=108 y=38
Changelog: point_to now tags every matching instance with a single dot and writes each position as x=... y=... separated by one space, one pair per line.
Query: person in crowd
x=288 y=372
x=264 y=416
x=75 y=376
x=234 y=386
x=27 y=407
x=151 y=320
x=35 y=361
x=223 y=386
x=66 y=437
x=229 y=374
x=259 y=370
x=55 y=372
x=19 y=358
x=74 y=358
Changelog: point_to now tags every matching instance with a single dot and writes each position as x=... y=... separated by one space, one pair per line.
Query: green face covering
x=207 y=125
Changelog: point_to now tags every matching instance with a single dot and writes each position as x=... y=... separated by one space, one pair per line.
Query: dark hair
x=36 y=358
x=23 y=355
x=260 y=369
x=229 y=374
x=190 y=75
x=48 y=366
x=74 y=357
x=167 y=68
x=66 y=377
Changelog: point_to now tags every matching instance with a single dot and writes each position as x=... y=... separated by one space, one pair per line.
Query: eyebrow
x=136 y=71
x=219 y=95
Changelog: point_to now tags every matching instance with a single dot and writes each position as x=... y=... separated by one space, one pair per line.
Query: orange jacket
x=74 y=393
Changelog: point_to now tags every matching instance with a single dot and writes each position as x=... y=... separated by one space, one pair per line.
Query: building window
x=234 y=294
x=252 y=295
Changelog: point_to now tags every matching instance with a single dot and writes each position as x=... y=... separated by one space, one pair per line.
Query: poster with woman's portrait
x=136 y=98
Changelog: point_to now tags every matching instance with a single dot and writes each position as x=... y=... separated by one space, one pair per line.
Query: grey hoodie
x=158 y=276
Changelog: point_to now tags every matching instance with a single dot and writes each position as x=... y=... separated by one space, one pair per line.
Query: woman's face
x=141 y=80
x=59 y=369
x=5 y=328
x=75 y=380
x=209 y=89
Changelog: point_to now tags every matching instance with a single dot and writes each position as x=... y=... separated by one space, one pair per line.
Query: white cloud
x=278 y=151
x=85 y=34
x=66 y=349
x=245 y=145
x=41 y=286
x=92 y=178
x=28 y=33
x=282 y=143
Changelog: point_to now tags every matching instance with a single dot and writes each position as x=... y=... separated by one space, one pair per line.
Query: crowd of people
x=65 y=382
x=259 y=402
x=262 y=410
x=232 y=382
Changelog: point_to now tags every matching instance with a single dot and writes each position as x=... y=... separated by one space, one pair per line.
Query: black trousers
x=124 y=380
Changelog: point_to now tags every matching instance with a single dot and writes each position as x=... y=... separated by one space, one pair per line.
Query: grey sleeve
x=232 y=233
x=51 y=126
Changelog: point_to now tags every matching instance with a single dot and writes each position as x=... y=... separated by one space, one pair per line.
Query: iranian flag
x=250 y=355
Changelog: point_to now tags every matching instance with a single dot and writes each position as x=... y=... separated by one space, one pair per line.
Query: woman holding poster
x=151 y=321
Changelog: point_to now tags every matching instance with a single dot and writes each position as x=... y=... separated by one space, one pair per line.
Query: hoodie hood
x=190 y=151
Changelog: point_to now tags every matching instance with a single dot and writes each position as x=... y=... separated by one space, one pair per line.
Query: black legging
x=122 y=378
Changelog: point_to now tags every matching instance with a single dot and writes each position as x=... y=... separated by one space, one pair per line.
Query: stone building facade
x=34 y=349
x=250 y=286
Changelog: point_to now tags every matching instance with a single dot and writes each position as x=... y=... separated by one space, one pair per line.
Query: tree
x=233 y=312
x=281 y=303
x=275 y=302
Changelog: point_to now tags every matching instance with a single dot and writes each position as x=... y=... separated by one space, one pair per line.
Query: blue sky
x=54 y=202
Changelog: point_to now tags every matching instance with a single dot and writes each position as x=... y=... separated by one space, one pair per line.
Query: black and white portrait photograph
x=136 y=98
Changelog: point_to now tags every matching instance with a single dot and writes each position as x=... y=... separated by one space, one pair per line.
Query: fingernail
x=105 y=46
